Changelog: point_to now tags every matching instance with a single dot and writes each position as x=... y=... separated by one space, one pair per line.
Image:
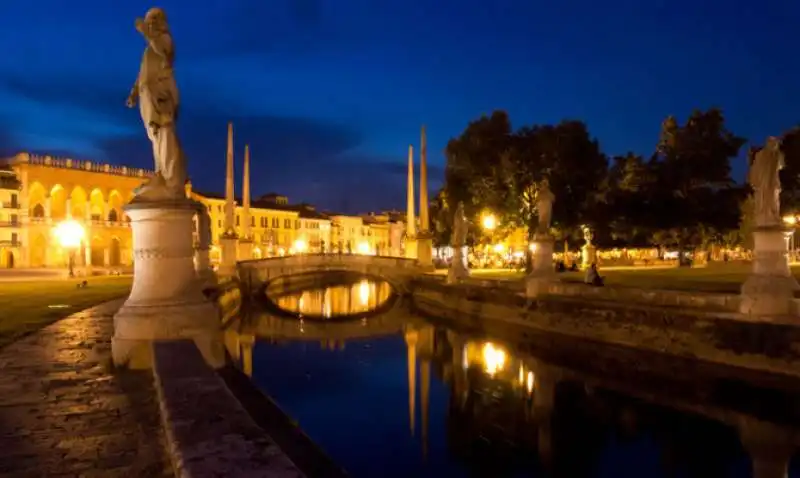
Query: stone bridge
x=256 y=274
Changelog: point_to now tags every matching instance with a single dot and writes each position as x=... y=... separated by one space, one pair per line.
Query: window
x=14 y=219
x=287 y=223
x=112 y=215
x=237 y=221
x=219 y=223
x=252 y=221
x=14 y=238
x=297 y=224
x=275 y=223
x=14 y=203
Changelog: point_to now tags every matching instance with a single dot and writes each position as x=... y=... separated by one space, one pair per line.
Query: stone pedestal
x=769 y=289
x=229 y=248
x=543 y=271
x=245 y=249
x=411 y=247
x=202 y=266
x=166 y=301
x=425 y=251
x=458 y=267
x=588 y=255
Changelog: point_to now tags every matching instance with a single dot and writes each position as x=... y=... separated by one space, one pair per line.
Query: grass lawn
x=24 y=306
x=717 y=278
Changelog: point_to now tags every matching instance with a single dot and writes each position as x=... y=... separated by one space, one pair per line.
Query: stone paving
x=64 y=413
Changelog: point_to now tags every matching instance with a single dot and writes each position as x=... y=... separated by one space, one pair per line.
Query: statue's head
x=773 y=143
x=156 y=19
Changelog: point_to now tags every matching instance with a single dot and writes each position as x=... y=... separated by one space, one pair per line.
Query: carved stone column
x=166 y=301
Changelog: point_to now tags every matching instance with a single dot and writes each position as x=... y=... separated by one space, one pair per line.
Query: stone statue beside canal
x=765 y=181
x=156 y=92
x=458 y=266
x=544 y=206
x=162 y=220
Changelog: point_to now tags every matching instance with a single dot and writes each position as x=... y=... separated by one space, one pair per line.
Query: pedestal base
x=245 y=249
x=769 y=289
x=588 y=256
x=411 y=248
x=166 y=300
x=458 y=269
x=230 y=250
x=425 y=252
x=543 y=272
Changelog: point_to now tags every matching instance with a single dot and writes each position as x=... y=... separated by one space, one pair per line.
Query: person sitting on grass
x=593 y=277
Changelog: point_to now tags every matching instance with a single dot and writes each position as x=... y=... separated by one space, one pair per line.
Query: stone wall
x=666 y=324
x=208 y=431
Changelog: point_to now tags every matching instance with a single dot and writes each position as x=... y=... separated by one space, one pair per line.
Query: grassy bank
x=717 y=278
x=28 y=306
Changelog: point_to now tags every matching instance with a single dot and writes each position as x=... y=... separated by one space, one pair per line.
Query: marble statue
x=588 y=235
x=459 y=227
x=544 y=205
x=156 y=92
x=763 y=178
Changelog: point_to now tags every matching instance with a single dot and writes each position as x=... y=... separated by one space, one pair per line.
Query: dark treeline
x=681 y=196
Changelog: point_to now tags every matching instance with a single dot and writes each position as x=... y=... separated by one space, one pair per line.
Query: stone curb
x=208 y=432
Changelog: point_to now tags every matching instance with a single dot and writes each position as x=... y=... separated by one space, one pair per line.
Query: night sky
x=329 y=93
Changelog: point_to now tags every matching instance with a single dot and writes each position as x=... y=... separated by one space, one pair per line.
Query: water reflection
x=431 y=402
x=336 y=300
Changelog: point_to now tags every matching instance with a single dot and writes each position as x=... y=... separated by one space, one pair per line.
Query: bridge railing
x=311 y=260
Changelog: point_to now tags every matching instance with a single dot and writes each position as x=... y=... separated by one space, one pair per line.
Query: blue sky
x=330 y=93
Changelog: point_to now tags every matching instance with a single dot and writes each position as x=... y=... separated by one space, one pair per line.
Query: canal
x=393 y=394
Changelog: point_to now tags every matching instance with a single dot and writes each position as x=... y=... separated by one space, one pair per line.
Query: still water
x=394 y=395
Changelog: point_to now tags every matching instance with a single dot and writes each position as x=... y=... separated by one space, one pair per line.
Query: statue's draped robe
x=158 y=104
x=544 y=206
x=764 y=179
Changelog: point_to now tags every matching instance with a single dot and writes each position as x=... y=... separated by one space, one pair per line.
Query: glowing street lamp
x=300 y=246
x=70 y=234
x=489 y=222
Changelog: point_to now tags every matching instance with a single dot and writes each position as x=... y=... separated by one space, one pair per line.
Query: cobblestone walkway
x=63 y=413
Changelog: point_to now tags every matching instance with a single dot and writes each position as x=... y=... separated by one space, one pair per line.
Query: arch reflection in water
x=338 y=300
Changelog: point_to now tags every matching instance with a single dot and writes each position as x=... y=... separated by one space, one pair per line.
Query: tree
x=694 y=185
x=474 y=172
x=790 y=174
x=627 y=205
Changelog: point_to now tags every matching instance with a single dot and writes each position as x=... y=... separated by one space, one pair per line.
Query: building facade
x=39 y=192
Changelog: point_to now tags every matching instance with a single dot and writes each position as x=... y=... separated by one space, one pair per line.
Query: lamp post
x=70 y=234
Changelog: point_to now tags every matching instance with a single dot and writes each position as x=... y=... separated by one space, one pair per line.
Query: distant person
x=593 y=277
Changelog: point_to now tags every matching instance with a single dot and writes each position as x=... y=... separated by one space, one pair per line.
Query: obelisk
x=246 y=238
x=424 y=236
x=229 y=239
x=411 y=220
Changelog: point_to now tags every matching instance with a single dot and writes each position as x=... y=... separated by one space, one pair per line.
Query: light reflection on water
x=428 y=401
x=348 y=299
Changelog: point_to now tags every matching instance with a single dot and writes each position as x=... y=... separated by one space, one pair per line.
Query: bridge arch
x=255 y=274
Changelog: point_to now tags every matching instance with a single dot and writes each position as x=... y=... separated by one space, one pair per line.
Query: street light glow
x=489 y=222
x=363 y=248
x=791 y=220
x=69 y=233
x=300 y=246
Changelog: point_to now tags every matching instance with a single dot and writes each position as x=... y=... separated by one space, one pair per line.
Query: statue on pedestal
x=458 y=268
x=544 y=205
x=156 y=92
x=763 y=178
x=588 y=235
